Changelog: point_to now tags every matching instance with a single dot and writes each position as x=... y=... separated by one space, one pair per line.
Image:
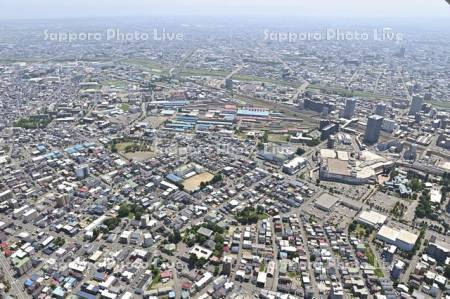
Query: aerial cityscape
x=224 y=157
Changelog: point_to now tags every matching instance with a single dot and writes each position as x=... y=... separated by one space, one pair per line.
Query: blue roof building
x=174 y=178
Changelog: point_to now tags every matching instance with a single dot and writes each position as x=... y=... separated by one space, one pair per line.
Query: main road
x=15 y=291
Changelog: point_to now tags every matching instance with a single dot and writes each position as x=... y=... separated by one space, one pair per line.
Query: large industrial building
x=294 y=165
x=326 y=202
x=362 y=168
x=403 y=239
x=439 y=251
x=318 y=105
x=371 y=218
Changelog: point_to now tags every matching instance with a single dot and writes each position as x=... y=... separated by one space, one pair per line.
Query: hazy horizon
x=352 y=9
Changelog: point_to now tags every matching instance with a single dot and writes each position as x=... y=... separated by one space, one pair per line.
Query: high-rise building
x=330 y=141
x=416 y=105
x=62 y=200
x=330 y=129
x=227 y=265
x=380 y=109
x=388 y=125
x=82 y=171
x=397 y=269
x=229 y=83
x=318 y=105
x=336 y=291
x=373 y=129
x=349 y=111
x=411 y=153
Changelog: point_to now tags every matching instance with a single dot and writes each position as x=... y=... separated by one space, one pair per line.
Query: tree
x=351 y=227
x=114 y=148
x=313 y=142
x=447 y=272
x=175 y=237
x=249 y=215
x=217 y=178
x=300 y=151
x=265 y=137
x=424 y=209
x=138 y=215
x=124 y=211
x=197 y=262
x=112 y=223
x=59 y=241
x=416 y=185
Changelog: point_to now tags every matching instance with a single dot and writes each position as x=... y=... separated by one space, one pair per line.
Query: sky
x=49 y=9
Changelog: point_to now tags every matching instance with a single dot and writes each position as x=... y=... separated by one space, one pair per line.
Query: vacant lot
x=278 y=138
x=139 y=156
x=135 y=151
x=193 y=183
x=383 y=202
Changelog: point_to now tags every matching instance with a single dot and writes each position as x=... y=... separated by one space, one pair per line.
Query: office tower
x=145 y=220
x=323 y=123
x=373 y=129
x=411 y=153
x=397 y=269
x=380 y=109
x=229 y=83
x=388 y=125
x=82 y=171
x=62 y=200
x=350 y=105
x=416 y=105
x=417 y=118
x=336 y=291
x=330 y=141
x=318 y=105
x=331 y=129
x=227 y=265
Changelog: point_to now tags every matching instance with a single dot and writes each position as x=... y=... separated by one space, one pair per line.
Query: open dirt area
x=139 y=156
x=193 y=183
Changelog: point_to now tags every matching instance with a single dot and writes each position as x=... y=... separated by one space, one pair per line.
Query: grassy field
x=373 y=261
x=26 y=60
x=122 y=145
x=440 y=104
x=369 y=95
x=116 y=83
x=193 y=183
x=278 y=138
x=125 y=107
x=143 y=153
x=251 y=78
x=147 y=64
x=140 y=156
x=347 y=93
x=239 y=77
x=205 y=72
